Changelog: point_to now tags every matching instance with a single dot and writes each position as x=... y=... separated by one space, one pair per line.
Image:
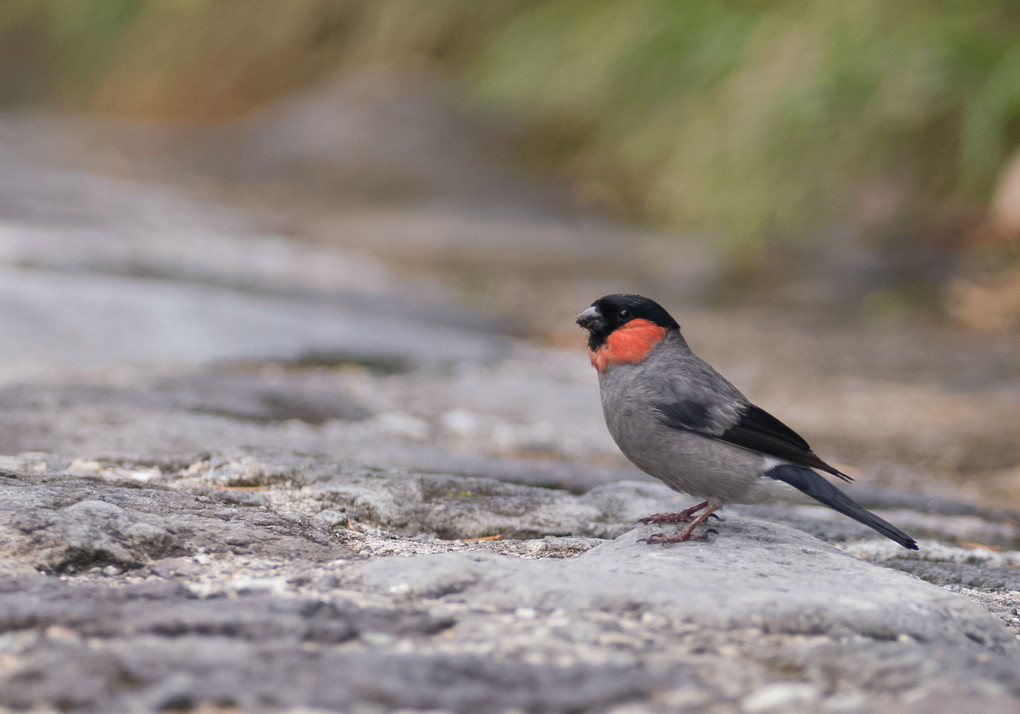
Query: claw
x=677 y=538
x=685 y=516
x=665 y=518
x=656 y=538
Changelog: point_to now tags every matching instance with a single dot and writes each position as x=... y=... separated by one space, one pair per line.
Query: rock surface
x=245 y=471
x=185 y=588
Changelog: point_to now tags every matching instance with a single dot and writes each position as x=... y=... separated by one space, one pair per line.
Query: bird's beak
x=590 y=319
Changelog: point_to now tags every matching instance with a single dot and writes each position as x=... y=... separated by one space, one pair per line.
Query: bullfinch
x=682 y=422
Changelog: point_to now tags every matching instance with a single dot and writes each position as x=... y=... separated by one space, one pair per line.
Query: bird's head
x=623 y=329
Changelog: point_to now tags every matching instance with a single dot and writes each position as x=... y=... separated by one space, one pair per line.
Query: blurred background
x=780 y=133
x=816 y=189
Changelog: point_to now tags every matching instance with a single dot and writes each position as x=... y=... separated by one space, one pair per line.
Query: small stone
x=332 y=518
x=846 y=702
x=196 y=468
x=87 y=466
x=378 y=639
x=459 y=423
x=781 y=695
x=403 y=425
x=145 y=475
x=58 y=632
x=685 y=697
x=169 y=567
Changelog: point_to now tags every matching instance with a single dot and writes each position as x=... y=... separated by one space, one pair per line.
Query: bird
x=679 y=420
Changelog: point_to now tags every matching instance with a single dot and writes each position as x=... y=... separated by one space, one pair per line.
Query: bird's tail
x=814 y=485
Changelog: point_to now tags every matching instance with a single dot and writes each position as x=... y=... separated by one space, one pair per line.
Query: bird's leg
x=684 y=516
x=687 y=533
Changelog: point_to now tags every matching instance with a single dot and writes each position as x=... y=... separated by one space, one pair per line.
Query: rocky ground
x=265 y=454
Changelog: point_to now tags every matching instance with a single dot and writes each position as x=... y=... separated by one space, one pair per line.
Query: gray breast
x=698 y=465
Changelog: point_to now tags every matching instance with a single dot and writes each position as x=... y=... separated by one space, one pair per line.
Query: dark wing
x=753 y=429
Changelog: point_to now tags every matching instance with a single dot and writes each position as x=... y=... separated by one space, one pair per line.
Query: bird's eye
x=624 y=314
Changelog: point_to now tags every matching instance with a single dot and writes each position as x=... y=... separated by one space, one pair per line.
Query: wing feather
x=754 y=429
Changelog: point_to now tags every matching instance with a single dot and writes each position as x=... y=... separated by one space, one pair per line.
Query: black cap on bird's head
x=612 y=311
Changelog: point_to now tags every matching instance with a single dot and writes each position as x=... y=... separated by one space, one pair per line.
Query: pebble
x=781 y=695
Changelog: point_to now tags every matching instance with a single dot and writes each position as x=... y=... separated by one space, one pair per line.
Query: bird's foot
x=688 y=532
x=685 y=516
x=680 y=517
x=681 y=537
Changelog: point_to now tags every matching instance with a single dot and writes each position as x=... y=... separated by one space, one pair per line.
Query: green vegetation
x=749 y=120
x=756 y=119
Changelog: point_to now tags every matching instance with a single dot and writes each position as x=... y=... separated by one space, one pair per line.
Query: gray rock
x=199 y=594
x=98 y=321
x=69 y=525
x=751 y=575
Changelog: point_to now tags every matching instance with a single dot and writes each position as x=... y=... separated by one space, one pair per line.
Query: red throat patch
x=627 y=344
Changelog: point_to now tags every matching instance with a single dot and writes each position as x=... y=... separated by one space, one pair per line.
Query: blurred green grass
x=744 y=119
